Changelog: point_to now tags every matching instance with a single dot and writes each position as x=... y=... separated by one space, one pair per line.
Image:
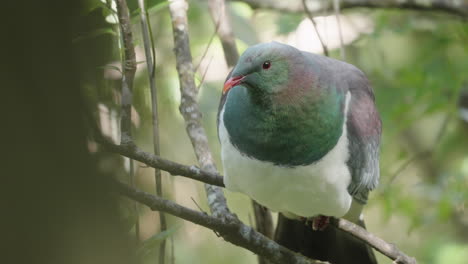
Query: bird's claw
x=318 y=223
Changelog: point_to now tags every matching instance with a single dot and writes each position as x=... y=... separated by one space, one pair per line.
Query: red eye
x=266 y=65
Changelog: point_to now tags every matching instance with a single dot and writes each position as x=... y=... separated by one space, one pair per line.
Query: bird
x=300 y=134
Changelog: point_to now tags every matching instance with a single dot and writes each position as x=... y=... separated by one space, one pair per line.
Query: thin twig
x=422 y=154
x=389 y=250
x=204 y=55
x=150 y=65
x=202 y=80
x=172 y=250
x=175 y=169
x=454 y=8
x=135 y=205
x=403 y=166
x=207 y=47
x=336 y=8
x=128 y=69
x=311 y=18
x=198 y=206
x=219 y=15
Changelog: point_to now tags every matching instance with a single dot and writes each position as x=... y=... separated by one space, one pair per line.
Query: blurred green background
x=417 y=63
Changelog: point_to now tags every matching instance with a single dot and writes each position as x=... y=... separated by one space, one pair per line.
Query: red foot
x=320 y=222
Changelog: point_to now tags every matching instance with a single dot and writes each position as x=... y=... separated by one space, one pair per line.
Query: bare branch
x=311 y=18
x=129 y=68
x=231 y=229
x=150 y=62
x=455 y=8
x=389 y=250
x=220 y=16
x=189 y=107
x=133 y=152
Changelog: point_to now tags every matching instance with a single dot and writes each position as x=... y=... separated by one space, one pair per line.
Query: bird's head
x=264 y=68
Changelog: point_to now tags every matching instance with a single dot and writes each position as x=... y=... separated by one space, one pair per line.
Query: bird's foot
x=318 y=223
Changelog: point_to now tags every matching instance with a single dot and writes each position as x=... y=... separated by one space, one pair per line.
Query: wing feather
x=364 y=130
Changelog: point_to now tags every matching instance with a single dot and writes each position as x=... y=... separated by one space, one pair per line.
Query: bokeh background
x=416 y=61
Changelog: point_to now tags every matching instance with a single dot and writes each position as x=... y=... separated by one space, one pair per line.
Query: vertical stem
x=150 y=61
x=336 y=7
x=135 y=206
x=263 y=224
x=128 y=75
x=172 y=250
x=128 y=69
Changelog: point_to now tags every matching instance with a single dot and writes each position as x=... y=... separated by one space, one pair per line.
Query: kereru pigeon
x=300 y=134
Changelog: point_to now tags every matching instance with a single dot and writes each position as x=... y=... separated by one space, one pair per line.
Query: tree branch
x=128 y=75
x=455 y=8
x=129 y=68
x=231 y=229
x=189 y=107
x=195 y=173
x=176 y=169
x=389 y=250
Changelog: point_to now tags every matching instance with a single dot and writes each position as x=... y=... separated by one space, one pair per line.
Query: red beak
x=233 y=81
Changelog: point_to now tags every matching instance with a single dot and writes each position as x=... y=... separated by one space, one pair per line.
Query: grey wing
x=364 y=130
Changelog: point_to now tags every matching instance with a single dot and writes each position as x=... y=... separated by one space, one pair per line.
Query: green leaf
x=158 y=7
x=151 y=243
x=287 y=23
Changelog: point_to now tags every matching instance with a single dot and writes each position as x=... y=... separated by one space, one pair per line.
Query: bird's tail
x=331 y=244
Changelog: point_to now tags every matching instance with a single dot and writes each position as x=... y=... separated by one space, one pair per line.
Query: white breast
x=319 y=188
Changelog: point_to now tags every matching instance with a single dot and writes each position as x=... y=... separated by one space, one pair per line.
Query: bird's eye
x=266 y=65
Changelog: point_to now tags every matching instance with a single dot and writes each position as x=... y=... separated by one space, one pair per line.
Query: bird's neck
x=288 y=134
